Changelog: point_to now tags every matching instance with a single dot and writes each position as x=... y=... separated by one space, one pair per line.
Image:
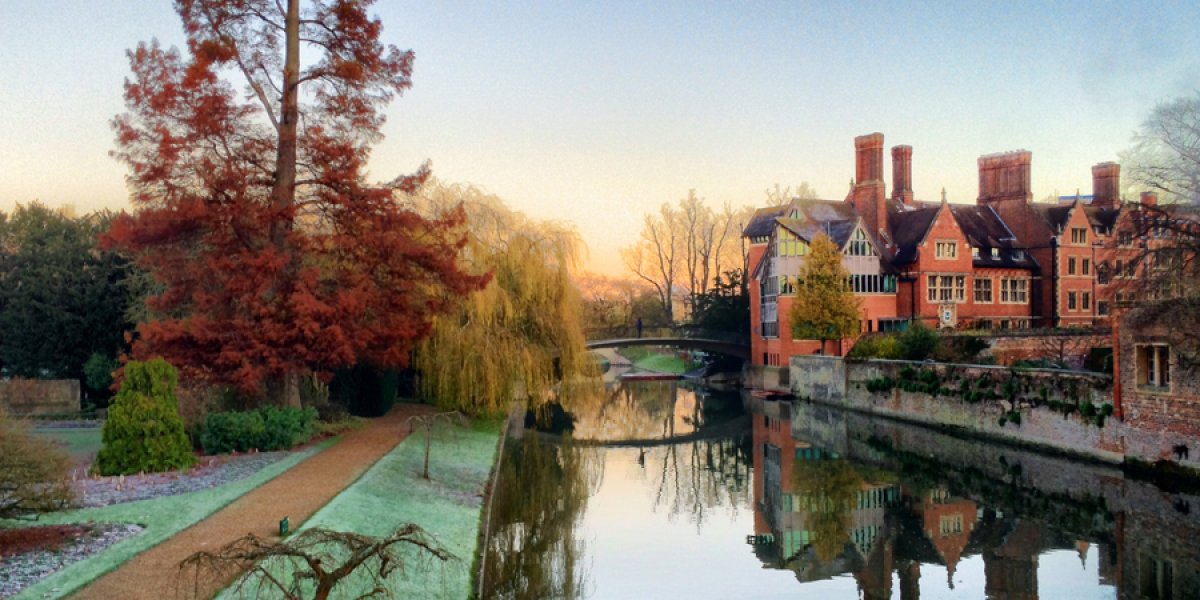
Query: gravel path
x=210 y=473
x=22 y=570
x=297 y=493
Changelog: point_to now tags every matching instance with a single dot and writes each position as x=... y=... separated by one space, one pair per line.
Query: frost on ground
x=27 y=568
x=28 y=555
x=210 y=473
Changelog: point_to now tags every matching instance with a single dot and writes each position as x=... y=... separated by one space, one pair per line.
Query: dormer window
x=859 y=245
x=995 y=252
x=1018 y=254
x=974 y=252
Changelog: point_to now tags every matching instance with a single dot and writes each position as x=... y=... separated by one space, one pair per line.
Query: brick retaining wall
x=31 y=397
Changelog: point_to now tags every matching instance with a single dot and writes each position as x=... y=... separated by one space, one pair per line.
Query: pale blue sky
x=596 y=113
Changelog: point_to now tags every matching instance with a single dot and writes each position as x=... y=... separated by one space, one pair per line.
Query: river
x=666 y=490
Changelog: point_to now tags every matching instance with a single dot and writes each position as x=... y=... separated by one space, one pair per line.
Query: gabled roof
x=763 y=221
x=1102 y=218
x=820 y=211
x=838 y=231
x=1054 y=215
x=908 y=230
x=982 y=226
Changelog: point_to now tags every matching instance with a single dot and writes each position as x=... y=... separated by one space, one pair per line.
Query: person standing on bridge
x=639 y=327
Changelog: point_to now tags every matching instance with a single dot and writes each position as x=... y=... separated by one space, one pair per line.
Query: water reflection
x=691 y=494
x=533 y=551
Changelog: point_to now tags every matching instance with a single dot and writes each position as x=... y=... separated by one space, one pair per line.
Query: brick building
x=1004 y=262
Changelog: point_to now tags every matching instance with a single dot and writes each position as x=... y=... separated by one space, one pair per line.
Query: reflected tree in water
x=692 y=479
x=538 y=502
x=827 y=490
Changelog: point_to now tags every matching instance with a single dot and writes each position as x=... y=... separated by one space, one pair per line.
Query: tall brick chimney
x=1005 y=176
x=1149 y=198
x=1106 y=185
x=869 y=198
x=902 y=174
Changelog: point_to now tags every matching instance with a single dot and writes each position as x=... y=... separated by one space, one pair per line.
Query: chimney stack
x=868 y=193
x=868 y=151
x=902 y=174
x=1106 y=185
x=1149 y=198
x=1004 y=177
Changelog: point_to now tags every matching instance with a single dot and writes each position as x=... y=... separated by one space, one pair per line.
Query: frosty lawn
x=448 y=506
x=162 y=517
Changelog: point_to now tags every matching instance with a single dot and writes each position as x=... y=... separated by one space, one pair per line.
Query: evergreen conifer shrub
x=143 y=431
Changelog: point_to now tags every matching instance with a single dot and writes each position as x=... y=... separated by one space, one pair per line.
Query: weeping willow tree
x=524 y=331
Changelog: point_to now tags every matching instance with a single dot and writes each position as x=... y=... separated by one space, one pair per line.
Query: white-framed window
x=1078 y=235
x=787 y=244
x=1014 y=290
x=946 y=288
x=859 y=245
x=1085 y=301
x=946 y=250
x=1070 y=265
x=1125 y=238
x=1085 y=267
x=1071 y=301
x=974 y=252
x=1153 y=363
x=983 y=290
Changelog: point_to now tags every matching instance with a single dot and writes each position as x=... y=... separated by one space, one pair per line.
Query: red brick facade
x=1004 y=262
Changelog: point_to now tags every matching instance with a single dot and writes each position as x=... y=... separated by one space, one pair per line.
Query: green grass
x=448 y=506
x=77 y=441
x=162 y=517
x=664 y=361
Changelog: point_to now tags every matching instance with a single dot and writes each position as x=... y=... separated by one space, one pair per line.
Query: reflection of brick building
x=947 y=521
x=1004 y=262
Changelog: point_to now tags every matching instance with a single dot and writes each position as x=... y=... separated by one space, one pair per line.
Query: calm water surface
x=669 y=491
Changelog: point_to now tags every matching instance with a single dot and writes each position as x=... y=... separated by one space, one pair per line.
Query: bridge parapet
x=673 y=332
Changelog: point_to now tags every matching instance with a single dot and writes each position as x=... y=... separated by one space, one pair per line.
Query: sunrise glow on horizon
x=594 y=114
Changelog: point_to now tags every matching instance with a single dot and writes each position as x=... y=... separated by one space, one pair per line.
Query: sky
x=594 y=114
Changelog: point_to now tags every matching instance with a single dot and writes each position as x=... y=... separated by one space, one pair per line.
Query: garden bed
x=30 y=554
x=210 y=472
x=157 y=518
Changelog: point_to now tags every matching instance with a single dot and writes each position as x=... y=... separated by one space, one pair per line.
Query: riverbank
x=1056 y=411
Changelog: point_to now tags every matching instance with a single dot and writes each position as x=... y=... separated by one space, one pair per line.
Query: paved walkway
x=297 y=493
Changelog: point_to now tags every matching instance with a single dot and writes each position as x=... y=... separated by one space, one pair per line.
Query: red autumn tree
x=272 y=256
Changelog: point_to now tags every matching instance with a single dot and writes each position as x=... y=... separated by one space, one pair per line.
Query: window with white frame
x=1078 y=235
x=983 y=290
x=1153 y=362
x=788 y=244
x=859 y=245
x=946 y=250
x=1085 y=267
x=1085 y=301
x=1014 y=290
x=946 y=288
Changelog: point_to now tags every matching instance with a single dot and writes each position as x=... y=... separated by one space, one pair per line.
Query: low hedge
x=266 y=429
